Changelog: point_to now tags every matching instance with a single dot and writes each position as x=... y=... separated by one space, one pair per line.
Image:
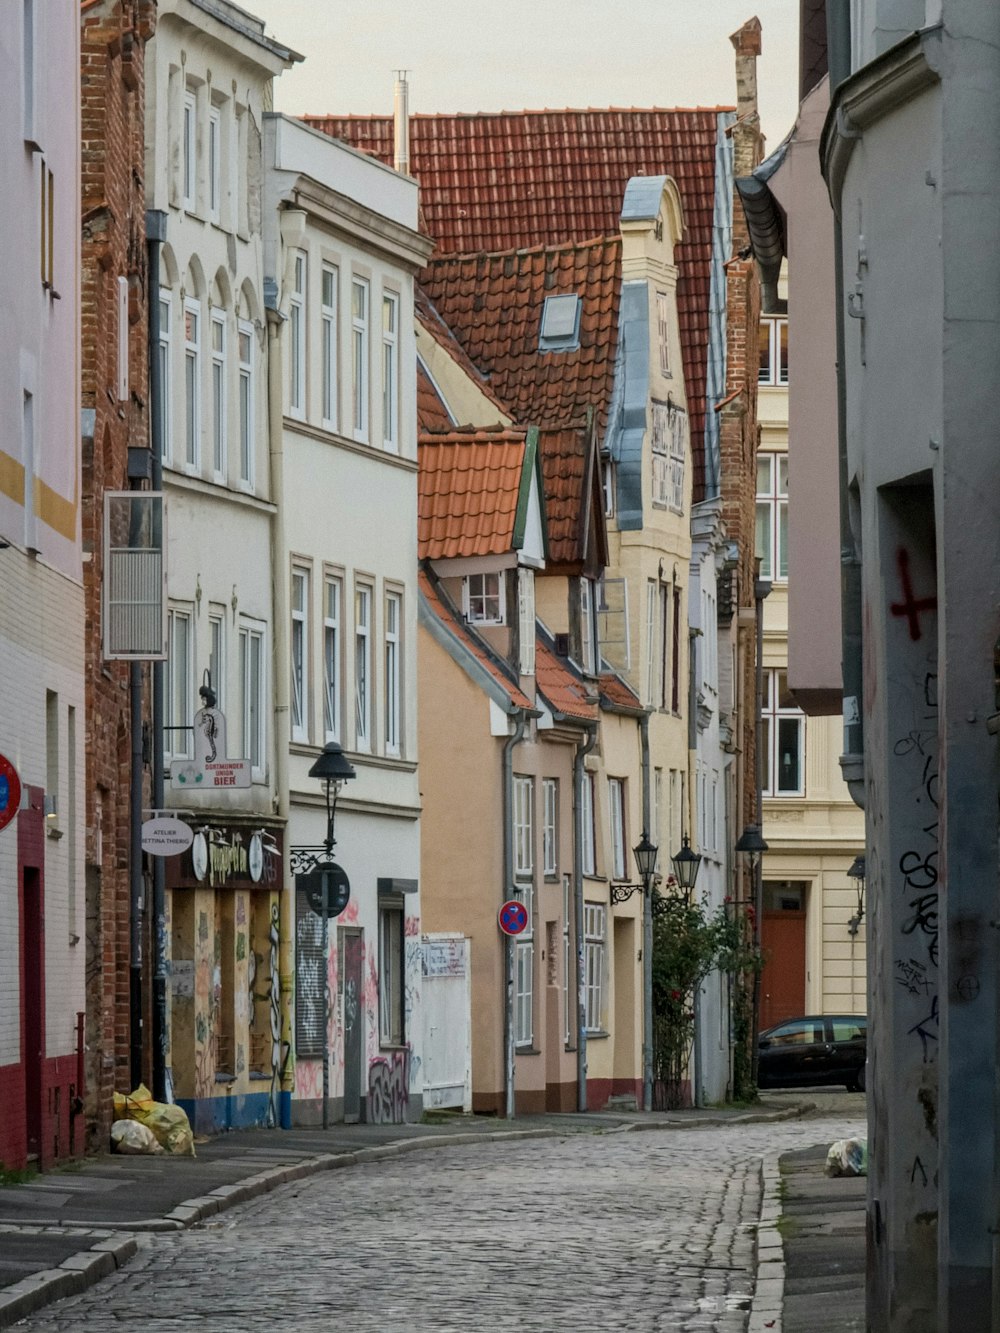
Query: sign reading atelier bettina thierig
x=211 y=767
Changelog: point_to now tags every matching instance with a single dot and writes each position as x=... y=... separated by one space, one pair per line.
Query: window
x=246 y=404
x=28 y=72
x=523 y=826
x=772 y=516
x=363 y=668
x=616 y=811
x=550 y=826
x=332 y=670
x=663 y=331
x=773 y=367
x=163 y=357
x=393 y=631
x=484 y=599
x=254 y=703
x=613 y=622
x=661 y=463
x=300 y=655
x=178 y=743
x=359 y=357
x=675 y=664
x=214 y=162
x=28 y=457
x=328 y=330
x=663 y=646
x=560 y=330
x=783 y=738
x=390 y=370
x=524 y=948
x=192 y=385
x=297 y=346
x=589 y=866
x=217 y=655
x=589 y=655
x=653 y=660
x=219 y=395
x=189 y=161
x=594 y=923
x=391 y=981
x=526 y=620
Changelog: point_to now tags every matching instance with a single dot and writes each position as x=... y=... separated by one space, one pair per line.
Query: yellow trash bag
x=169 y=1123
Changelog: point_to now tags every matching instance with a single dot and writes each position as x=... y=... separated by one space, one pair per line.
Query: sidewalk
x=66 y=1229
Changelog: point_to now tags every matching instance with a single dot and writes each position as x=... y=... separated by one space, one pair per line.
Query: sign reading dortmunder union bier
x=229 y=856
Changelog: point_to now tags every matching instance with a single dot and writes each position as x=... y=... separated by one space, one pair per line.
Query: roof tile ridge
x=468 y=256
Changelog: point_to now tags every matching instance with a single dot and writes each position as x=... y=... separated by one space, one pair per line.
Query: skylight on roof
x=560 y=329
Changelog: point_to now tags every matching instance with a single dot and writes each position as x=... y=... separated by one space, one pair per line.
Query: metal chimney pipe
x=401 y=123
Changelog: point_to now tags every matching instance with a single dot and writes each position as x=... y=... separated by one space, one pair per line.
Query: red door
x=34 y=1013
x=783 y=980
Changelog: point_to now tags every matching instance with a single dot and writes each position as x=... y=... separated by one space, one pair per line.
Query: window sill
x=393 y=1046
x=527 y=1050
x=597 y=1034
x=597 y=879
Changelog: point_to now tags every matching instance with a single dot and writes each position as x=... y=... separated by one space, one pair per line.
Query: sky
x=466 y=55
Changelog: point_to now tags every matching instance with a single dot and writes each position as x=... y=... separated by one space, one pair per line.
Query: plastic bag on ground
x=847 y=1157
x=169 y=1124
x=129 y=1136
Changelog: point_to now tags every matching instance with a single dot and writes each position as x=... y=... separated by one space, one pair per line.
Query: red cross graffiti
x=910 y=607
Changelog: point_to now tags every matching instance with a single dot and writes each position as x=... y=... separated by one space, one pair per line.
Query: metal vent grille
x=134 y=621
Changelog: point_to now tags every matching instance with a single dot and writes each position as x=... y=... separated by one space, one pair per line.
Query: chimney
x=401 y=123
x=747 y=44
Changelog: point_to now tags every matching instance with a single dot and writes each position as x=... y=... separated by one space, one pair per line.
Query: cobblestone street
x=649 y=1231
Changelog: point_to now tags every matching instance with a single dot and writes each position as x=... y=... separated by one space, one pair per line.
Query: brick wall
x=113 y=38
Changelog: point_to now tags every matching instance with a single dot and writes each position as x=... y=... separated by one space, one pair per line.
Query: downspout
x=761 y=589
x=697 y=1091
x=156 y=234
x=583 y=748
x=507 y=763
x=647 y=931
x=292 y=224
x=852 y=761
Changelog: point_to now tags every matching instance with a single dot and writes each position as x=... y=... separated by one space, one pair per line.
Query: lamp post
x=857 y=873
x=752 y=845
x=333 y=770
x=645 y=860
x=686 y=865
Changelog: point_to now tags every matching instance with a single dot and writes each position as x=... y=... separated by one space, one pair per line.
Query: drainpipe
x=761 y=589
x=156 y=234
x=647 y=931
x=583 y=748
x=852 y=761
x=507 y=762
x=697 y=1059
x=292 y=224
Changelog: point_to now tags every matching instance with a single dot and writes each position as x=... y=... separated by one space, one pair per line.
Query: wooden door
x=783 y=980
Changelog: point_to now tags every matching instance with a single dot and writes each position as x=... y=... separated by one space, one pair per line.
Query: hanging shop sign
x=211 y=768
x=10 y=791
x=166 y=836
x=231 y=856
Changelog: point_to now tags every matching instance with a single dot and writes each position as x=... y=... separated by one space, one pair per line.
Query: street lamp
x=686 y=865
x=645 y=861
x=857 y=873
x=333 y=769
x=752 y=845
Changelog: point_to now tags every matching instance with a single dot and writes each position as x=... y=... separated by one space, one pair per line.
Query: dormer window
x=560 y=331
x=589 y=649
x=484 y=599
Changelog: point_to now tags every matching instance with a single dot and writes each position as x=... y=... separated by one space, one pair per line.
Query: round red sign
x=10 y=791
x=513 y=917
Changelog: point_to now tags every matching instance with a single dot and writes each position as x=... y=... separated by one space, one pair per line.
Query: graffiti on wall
x=389 y=1088
x=279 y=1049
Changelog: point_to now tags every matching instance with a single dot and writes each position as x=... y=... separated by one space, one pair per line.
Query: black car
x=820 y=1048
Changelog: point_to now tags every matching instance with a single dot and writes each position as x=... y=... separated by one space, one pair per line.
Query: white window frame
x=333 y=667
x=773 y=715
x=524 y=825
x=217 y=654
x=595 y=917
x=770 y=370
x=660 y=456
x=297 y=338
x=219 y=424
x=588 y=858
x=393 y=673
x=189 y=152
x=663 y=332
x=608 y=486
x=179 y=686
x=390 y=371
x=589 y=647
x=248 y=470
x=678 y=459
x=526 y=620
x=524 y=944
x=653 y=683
x=616 y=817
x=479 y=597
x=550 y=826
x=772 y=516
x=192 y=389
x=391 y=978
x=29 y=73
x=299 y=651
x=214 y=163
x=360 y=357
x=364 y=597
x=330 y=346
x=166 y=378
x=252 y=641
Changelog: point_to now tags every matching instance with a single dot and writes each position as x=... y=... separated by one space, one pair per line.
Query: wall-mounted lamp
x=333 y=770
x=857 y=873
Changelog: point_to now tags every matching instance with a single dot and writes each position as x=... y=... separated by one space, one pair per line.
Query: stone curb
x=87 y=1267
x=769 y=1286
x=73 y=1276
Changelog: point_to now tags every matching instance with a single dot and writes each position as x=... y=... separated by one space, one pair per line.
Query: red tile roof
x=445 y=612
x=617 y=693
x=493 y=304
x=468 y=486
x=562 y=690
x=430 y=319
x=517 y=179
x=432 y=414
x=564 y=458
